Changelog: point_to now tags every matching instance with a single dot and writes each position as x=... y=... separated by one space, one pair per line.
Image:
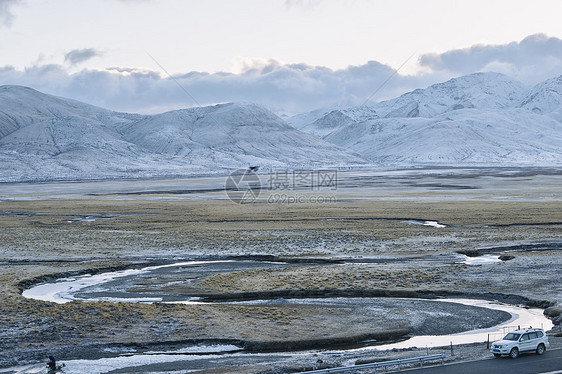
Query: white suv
x=518 y=341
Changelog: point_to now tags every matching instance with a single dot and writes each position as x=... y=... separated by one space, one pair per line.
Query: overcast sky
x=290 y=56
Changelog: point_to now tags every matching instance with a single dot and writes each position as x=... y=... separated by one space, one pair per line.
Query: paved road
x=550 y=362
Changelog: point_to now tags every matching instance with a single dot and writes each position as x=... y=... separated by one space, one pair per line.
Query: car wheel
x=497 y=355
x=540 y=349
x=514 y=353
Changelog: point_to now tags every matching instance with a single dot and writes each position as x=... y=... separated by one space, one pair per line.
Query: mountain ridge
x=482 y=119
x=54 y=138
x=485 y=119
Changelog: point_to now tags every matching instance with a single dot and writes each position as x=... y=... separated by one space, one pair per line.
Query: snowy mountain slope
x=479 y=90
x=22 y=106
x=45 y=137
x=61 y=135
x=298 y=121
x=322 y=122
x=483 y=118
x=545 y=98
x=467 y=136
x=236 y=130
x=329 y=122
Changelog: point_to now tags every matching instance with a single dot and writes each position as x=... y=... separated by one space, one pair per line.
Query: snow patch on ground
x=481 y=260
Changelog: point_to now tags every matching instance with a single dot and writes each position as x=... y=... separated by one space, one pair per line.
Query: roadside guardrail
x=377 y=365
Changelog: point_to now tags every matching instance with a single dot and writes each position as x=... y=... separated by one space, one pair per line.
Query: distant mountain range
x=483 y=119
x=43 y=137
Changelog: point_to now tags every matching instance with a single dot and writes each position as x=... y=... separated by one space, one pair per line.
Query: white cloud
x=247 y=64
x=501 y=67
x=535 y=58
x=284 y=88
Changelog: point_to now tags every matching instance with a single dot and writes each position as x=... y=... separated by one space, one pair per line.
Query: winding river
x=113 y=286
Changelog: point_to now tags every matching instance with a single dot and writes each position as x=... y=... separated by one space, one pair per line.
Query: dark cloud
x=535 y=58
x=284 y=88
x=77 y=56
x=6 y=16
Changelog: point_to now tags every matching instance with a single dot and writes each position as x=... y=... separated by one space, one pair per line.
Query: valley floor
x=398 y=233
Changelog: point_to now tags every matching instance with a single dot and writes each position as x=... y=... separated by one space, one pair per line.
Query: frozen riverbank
x=437 y=315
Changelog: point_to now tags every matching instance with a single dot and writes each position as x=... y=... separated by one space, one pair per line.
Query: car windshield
x=512 y=336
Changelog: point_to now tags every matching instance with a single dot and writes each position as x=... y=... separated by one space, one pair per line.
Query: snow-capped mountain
x=483 y=137
x=546 y=98
x=43 y=137
x=240 y=132
x=479 y=119
x=483 y=119
x=22 y=106
x=480 y=90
